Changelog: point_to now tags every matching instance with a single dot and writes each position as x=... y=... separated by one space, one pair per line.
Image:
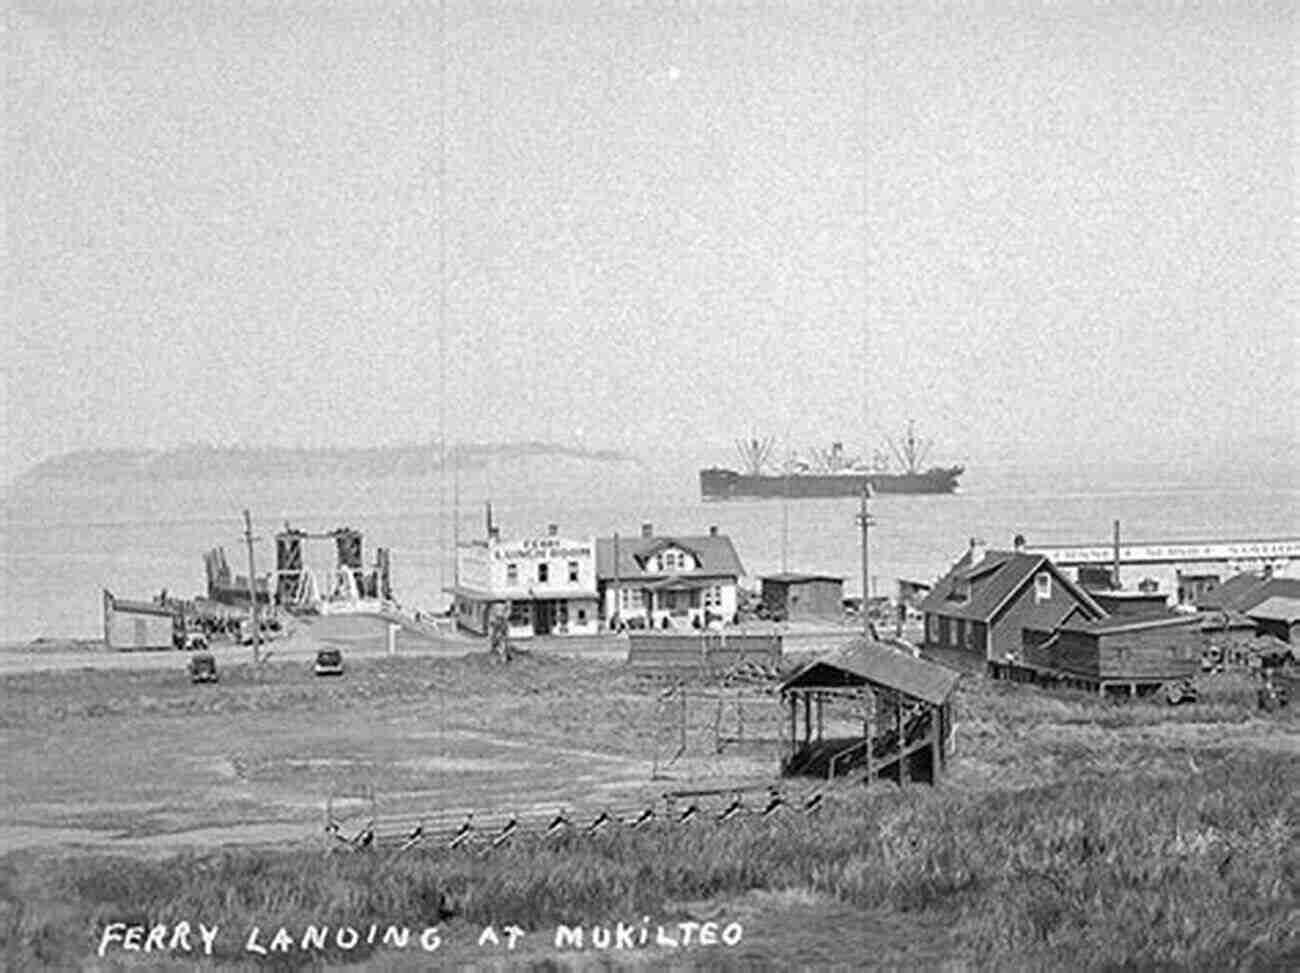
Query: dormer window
x=961 y=590
x=1042 y=586
x=674 y=561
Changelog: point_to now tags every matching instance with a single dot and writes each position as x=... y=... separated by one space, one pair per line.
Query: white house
x=545 y=585
x=672 y=582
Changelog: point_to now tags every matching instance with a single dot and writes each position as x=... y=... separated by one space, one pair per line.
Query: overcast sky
x=1051 y=225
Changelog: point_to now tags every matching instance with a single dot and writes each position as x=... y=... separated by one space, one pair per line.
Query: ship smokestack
x=552 y=530
x=713 y=530
x=647 y=530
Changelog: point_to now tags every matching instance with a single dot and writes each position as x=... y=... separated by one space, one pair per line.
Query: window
x=961 y=590
x=668 y=561
x=1042 y=586
x=582 y=615
x=573 y=571
x=543 y=571
x=932 y=628
x=713 y=597
x=512 y=574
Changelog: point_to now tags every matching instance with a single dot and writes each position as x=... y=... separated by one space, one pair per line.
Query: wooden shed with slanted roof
x=794 y=595
x=891 y=715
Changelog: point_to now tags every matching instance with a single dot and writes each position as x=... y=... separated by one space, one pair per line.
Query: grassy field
x=1071 y=833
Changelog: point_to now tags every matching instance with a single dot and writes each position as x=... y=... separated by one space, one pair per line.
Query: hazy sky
x=1062 y=226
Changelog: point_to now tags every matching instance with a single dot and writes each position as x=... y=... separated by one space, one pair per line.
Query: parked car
x=329 y=662
x=203 y=667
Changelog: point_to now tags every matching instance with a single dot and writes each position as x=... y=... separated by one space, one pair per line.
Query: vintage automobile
x=203 y=667
x=329 y=662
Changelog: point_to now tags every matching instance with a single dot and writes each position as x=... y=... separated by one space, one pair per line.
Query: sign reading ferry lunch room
x=542 y=547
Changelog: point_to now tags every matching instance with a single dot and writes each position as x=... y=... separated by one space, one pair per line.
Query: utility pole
x=865 y=522
x=252 y=590
x=455 y=522
x=785 y=516
x=616 y=617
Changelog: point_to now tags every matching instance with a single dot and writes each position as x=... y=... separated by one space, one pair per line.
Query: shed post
x=866 y=735
x=902 y=743
x=794 y=724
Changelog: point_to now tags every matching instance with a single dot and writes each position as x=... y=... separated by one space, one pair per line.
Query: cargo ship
x=828 y=473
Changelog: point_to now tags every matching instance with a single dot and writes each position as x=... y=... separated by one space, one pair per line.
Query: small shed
x=792 y=595
x=1279 y=617
x=135 y=625
x=1131 y=604
x=890 y=717
x=1133 y=655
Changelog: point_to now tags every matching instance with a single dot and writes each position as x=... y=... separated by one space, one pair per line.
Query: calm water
x=62 y=543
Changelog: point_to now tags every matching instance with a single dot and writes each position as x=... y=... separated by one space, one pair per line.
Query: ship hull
x=722 y=484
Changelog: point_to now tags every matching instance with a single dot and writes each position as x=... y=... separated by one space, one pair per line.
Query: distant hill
x=205 y=462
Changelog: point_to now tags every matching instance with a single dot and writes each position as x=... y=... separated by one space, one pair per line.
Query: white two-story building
x=667 y=582
x=544 y=585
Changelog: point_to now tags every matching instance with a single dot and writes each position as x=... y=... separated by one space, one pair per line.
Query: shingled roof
x=716 y=554
x=1242 y=592
x=1277 y=609
x=998 y=576
x=878 y=665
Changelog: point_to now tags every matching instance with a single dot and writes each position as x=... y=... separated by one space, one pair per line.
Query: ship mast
x=913 y=452
x=754 y=453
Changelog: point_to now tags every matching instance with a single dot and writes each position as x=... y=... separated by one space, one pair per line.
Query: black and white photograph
x=650 y=484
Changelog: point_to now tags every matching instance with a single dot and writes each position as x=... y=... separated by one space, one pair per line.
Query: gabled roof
x=715 y=552
x=993 y=582
x=875 y=664
x=1278 y=609
x=1242 y=592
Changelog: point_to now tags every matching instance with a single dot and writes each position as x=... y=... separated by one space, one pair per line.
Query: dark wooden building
x=989 y=598
x=1126 y=655
x=791 y=595
x=1279 y=617
x=872 y=710
x=1131 y=604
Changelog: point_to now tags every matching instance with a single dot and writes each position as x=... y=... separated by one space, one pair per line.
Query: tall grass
x=1196 y=870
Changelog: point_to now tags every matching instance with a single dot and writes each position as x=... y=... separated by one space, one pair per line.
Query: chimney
x=552 y=530
x=494 y=533
x=647 y=530
x=713 y=530
x=977 y=550
x=1018 y=543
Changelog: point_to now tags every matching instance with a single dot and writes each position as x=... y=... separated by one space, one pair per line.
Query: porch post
x=821 y=723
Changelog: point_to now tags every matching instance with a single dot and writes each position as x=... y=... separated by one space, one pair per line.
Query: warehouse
x=135 y=625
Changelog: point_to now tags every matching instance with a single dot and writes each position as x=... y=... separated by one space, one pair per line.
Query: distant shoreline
x=201 y=462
